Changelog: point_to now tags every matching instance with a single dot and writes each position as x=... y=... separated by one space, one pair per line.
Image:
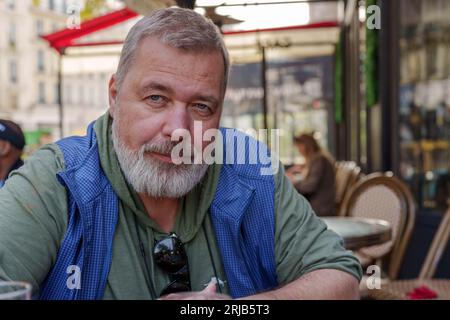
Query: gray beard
x=152 y=177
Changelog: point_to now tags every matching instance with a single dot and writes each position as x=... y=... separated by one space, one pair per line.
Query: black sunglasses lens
x=174 y=287
x=169 y=255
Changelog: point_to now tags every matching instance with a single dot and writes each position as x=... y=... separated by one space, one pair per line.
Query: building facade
x=29 y=70
x=28 y=67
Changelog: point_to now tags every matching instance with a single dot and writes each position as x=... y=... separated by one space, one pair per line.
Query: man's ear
x=5 y=148
x=112 y=95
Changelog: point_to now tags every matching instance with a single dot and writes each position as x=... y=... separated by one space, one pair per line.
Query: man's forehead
x=162 y=73
x=162 y=60
x=151 y=48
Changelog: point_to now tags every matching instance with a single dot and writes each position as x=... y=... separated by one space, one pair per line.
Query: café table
x=360 y=232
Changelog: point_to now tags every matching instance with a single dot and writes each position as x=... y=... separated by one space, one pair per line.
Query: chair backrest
x=347 y=173
x=396 y=258
x=437 y=248
x=381 y=196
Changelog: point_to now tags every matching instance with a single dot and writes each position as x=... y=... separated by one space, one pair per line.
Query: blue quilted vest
x=242 y=214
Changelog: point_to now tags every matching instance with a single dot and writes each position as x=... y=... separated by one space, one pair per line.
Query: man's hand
x=209 y=293
x=325 y=284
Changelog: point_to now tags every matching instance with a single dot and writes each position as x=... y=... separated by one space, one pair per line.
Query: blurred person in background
x=12 y=142
x=316 y=178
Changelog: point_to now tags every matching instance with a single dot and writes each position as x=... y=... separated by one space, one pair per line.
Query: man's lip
x=162 y=157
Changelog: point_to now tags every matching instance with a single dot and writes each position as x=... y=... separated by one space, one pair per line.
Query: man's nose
x=176 y=119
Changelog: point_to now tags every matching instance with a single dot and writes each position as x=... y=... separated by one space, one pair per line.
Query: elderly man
x=112 y=216
x=12 y=142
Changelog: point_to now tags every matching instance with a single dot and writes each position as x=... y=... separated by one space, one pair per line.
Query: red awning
x=65 y=38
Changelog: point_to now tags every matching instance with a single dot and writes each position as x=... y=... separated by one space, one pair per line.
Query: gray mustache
x=165 y=147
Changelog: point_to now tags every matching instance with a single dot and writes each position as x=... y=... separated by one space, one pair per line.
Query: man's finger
x=210 y=288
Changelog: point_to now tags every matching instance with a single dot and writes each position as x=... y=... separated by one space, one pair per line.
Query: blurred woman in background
x=316 y=178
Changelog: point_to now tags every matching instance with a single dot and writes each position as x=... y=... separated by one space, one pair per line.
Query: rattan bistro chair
x=383 y=196
x=400 y=288
x=347 y=174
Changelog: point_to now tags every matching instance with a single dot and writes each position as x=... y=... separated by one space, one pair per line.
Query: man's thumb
x=211 y=287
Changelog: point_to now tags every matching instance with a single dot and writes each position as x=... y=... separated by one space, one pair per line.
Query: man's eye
x=201 y=106
x=156 y=98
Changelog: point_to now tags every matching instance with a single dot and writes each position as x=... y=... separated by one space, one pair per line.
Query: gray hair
x=180 y=28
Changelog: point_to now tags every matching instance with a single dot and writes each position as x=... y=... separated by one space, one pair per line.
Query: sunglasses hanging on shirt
x=170 y=256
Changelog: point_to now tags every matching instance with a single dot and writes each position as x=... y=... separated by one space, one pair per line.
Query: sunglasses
x=170 y=256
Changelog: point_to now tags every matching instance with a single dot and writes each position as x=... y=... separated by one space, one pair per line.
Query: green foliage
x=371 y=63
x=92 y=8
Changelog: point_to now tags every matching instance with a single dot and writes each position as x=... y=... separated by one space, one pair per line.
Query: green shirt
x=33 y=221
